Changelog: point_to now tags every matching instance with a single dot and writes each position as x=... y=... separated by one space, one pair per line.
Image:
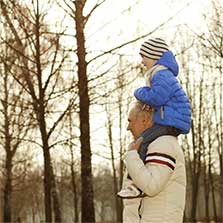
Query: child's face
x=148 y=62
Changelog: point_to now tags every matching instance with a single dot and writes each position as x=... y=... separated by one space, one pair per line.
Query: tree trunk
x=56 y=204
x=49 y=179
x=206 y=193
x=47 y=185
x=102 y=211
x=8 y=189
x=49 y=182
x=47 y=162
x=73 y=175
x=120 y=204
x=221 y=188
x=74 y=188
x=115 y=182
x=9 y=155
x=195 y=176
x=221 y=138
x=87 y=205
x=198 y=147
x=213 y=197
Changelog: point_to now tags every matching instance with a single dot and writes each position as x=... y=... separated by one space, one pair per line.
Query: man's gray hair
x=141 y=108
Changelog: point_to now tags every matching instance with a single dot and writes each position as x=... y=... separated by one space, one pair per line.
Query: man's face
x=137 y=123
x=147 y=62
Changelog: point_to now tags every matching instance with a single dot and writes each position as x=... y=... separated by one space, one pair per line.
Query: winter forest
x=68 y=70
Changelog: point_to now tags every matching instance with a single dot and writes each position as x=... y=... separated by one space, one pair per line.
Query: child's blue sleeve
x=156 y=96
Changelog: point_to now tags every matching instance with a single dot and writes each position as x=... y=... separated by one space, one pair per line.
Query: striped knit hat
x=153 y=48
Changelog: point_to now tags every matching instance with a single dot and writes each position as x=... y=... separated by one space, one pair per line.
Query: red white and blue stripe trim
x=161 y=158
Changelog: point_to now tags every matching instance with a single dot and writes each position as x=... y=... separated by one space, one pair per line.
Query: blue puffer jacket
x=166 y=93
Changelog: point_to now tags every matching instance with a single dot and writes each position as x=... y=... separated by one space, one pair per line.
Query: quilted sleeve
x=160 y=92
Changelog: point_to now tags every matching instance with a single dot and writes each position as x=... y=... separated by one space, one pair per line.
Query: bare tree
x=87 y=213
x=16 y=122
x=40 y=61
x=202 y=58
x=212 y=44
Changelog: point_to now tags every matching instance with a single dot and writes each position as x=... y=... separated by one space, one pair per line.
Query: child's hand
x=148 y=108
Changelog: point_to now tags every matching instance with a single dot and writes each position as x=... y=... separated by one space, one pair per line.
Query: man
x=161 y=178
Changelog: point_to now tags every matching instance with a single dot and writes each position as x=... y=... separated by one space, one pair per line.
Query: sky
x=142 y=18
x=128 y=18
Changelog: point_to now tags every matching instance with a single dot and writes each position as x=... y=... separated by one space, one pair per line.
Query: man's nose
x=128 y=127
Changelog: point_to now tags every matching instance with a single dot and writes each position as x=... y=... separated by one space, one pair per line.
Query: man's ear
x=145 y=120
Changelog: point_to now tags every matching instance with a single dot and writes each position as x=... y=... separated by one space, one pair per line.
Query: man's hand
x=135 y=144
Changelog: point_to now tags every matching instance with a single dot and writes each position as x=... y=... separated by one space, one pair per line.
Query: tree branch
x=140 y=37
x=92 y=10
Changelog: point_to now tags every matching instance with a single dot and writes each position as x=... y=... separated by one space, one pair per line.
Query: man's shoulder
x=165 y=144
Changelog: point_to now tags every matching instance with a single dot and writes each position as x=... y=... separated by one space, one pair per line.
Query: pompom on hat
x=153 y=48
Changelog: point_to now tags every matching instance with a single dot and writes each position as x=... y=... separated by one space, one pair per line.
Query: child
x=163 y=92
